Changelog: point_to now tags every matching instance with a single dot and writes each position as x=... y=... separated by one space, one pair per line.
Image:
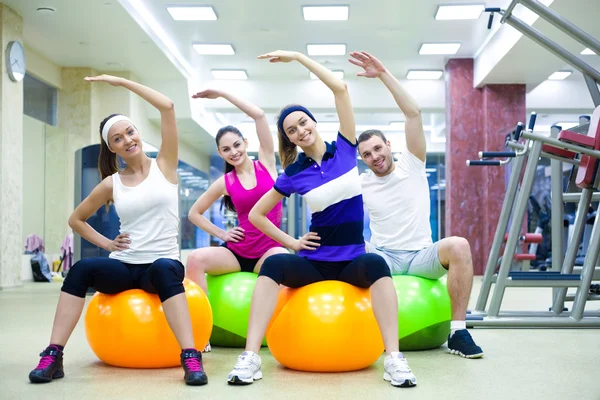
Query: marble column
x=78 y=122
x=11 y=157
x=477 y=119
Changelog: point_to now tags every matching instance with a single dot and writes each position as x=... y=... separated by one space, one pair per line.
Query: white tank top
x=149 y=212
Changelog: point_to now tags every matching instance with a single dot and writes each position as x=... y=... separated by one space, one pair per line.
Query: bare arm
x=413 y=126
x=373 y=68
x=216 y=190
x=258 y=218
x=266 y=151
x=168 y=157
x=101 y=194
x=339 y=88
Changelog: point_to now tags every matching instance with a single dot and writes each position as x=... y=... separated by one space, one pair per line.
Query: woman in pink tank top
x=244 y=183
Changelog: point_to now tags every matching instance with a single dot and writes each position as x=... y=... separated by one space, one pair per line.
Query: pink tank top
x=255 y=243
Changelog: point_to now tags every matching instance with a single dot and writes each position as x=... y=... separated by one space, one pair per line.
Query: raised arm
x=339 y=88
x=167 y=158
x=101 y=195
x=195 y=215
x=373 y=68
x=266 y=150
x=258 y=218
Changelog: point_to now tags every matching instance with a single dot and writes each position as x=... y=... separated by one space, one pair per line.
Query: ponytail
x=107 y=160
x=288 y=151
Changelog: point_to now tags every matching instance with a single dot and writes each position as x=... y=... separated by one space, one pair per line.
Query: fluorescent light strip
x=338 y=74
x=195 y=13
x=237 y=74
x=325 y=13
x=424 y=75
x=147 y=22
x=559 y=75
x=439 y=48
x=326 y=49
x=567 y=125
x=214 y=49
x=459 y=12
x=588 y=52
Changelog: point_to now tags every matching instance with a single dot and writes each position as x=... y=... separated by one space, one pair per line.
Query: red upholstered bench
x=588 y=165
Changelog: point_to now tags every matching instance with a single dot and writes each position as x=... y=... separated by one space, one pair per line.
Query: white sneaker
x=246 y=370
x=397 y=371
x=207 y=348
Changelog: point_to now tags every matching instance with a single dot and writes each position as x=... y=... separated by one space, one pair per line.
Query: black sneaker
x=462 y=344
x=191 y=361
x=50 y=366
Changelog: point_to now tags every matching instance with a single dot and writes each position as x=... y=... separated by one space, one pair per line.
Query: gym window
x=39 y=100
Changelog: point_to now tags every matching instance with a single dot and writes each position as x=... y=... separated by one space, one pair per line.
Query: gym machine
x=579 y=146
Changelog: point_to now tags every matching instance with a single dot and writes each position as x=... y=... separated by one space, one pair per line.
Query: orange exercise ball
x=327 y=326
x=130 y=330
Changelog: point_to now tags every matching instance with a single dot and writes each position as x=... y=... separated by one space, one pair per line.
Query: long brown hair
x=227 y=202
x=287 y=150
x=107 y=160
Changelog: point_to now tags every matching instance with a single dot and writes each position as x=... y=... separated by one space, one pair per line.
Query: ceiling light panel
x=198 y=13
x=424 y=75
x=559 y=75
x=214 y=49
x=326 y=49
x=439 y=48
x=458 y=12
x=325 y=13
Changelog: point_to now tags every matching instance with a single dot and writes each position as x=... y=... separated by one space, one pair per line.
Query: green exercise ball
x=230 y=296
x=424 y=312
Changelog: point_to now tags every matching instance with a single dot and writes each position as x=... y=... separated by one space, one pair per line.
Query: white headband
x=109 y=125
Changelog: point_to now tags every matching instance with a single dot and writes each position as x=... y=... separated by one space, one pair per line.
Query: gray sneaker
x=397 y=371
x=246 y=370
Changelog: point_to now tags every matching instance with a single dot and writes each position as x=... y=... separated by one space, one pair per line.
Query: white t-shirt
x=398 y=205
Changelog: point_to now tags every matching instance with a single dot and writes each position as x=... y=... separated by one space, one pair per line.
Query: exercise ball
x=130 y=330
x=327 y=326
x=424 y=312
x=230 y=296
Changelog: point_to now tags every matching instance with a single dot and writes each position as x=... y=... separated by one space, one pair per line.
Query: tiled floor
x=518 y=364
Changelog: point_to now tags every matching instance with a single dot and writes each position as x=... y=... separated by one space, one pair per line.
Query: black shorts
x=246 y=264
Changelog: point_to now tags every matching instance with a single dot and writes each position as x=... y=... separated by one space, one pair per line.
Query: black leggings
x=293 y=271
x=109 y=276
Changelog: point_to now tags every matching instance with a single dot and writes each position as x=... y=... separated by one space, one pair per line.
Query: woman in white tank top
x=145 y=255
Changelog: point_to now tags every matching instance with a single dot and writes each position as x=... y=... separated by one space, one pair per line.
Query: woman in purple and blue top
x=326 y=175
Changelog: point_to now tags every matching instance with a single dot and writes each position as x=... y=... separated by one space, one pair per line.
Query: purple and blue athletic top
x=334 y=196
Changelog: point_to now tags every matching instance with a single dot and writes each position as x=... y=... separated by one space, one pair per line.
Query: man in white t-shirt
x=397 y=199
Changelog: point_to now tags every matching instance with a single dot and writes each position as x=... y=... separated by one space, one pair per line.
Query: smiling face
x=377 y=154
x=124 y=140
x=232 y=148
x=300 y=129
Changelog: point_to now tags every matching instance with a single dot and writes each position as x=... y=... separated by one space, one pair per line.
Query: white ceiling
x=527 y=62
x=392 y=29
x=91 y=33
x=97 y=33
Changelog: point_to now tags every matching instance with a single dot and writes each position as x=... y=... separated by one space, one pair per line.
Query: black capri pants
x=294 y=271
x=109 y=276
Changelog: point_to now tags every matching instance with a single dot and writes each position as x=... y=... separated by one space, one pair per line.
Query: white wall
x=42 y=68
